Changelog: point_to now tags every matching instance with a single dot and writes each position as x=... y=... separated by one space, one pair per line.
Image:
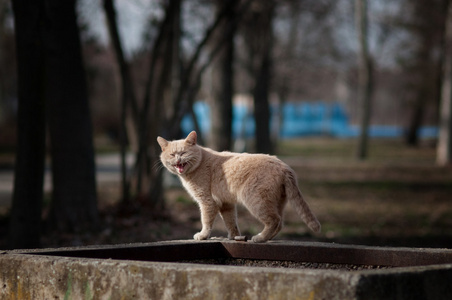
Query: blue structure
x=298 y=120
x=312 y=119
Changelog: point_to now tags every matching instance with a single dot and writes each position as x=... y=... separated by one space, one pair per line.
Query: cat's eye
x=173 y=154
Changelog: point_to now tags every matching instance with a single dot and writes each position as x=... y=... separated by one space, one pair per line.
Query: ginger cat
x=219 y=180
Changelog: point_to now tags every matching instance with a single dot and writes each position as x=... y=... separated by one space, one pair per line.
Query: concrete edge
x=47 y=277
x=27 y=274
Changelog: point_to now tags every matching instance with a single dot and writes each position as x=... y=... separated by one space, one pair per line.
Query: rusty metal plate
x=339 y=254
x=275 y=250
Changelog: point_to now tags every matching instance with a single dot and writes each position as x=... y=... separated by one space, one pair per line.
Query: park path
x=107 y=169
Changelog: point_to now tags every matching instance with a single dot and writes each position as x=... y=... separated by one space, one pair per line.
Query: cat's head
x=181 y=156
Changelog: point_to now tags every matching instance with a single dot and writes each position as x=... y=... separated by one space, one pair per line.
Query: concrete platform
x=154 y=271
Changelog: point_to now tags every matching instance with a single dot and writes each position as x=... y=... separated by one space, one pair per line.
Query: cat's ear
x=162 y=142
x=191 y=138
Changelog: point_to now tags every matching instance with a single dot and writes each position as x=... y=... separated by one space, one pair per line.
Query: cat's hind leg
x=272 y=225
x=228 y=213
x=268 y=213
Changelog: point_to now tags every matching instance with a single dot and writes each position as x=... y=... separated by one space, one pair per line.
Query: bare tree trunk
x=149 y=126
x=25 y=219
x=259 y=39
x=444 y=148
x=423 y=71
x=74 y=201
x=52 y=80
x=222 y=82
x=129 y=106
x=282 y=81
x=261 y=95
x=165 y=97
x=3 y=9
x=412 y=137
x=365 y=77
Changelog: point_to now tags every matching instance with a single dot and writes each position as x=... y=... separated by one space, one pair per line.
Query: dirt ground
x=398 y=197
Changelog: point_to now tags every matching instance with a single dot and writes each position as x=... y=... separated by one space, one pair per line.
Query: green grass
x=397 y=196
x=316 y=147
x=380 y=150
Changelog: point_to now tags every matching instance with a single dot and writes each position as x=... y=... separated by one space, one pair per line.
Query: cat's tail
x=294 y=195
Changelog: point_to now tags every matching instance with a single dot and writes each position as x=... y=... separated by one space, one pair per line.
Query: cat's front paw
x=201 y=236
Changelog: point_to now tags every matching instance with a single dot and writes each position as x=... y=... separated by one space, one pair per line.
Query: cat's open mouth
x=180 y=167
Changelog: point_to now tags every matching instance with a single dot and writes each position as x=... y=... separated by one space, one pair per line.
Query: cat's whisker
x=158 y=165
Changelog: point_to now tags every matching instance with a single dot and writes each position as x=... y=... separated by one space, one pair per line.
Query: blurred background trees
x=145 y=64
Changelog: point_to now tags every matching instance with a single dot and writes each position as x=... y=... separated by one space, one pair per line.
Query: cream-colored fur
x=218 y=180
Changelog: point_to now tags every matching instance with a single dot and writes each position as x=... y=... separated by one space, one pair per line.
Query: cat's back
x=245 y=163
x=242 y=164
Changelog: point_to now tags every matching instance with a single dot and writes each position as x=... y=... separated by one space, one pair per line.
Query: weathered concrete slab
x=143 y=271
